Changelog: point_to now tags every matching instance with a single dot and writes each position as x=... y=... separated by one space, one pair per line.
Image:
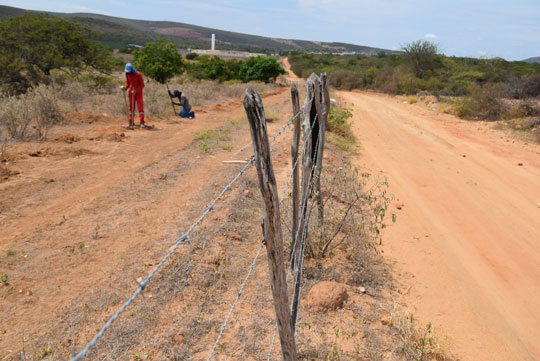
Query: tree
x=260 y=68
x=422 y=55
x=160 y=60
x=213 y=68
x=33 y=45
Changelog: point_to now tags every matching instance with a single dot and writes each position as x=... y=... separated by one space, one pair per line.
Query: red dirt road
x=467 y=237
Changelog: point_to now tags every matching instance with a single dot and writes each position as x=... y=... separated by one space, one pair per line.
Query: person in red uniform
x=135 y=85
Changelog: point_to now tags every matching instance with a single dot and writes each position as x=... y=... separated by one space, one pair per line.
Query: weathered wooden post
x=295 y=162
x=309 y=113
x=272 y=223
x=322 y=115
x=310 y=127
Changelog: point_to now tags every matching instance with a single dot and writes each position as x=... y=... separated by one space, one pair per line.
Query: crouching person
x=184 y=103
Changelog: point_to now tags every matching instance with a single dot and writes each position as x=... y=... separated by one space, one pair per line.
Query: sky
x=475 y=28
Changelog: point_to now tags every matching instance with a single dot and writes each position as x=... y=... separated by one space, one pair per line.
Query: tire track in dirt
x=468 y=229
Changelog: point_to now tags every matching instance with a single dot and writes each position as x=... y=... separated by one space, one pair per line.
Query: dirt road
x=467 y=238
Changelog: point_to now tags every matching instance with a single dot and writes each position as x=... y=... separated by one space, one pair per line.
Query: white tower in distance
x=213 y=41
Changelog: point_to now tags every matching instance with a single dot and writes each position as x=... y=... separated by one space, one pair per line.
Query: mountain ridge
x=535 y=59
x=119 y=32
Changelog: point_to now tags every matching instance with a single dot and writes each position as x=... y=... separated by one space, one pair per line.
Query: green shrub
x=191 y=56
x=484 y=103
x=260 y=68
x=34 y=45
x=338 y=121
x=210 y=68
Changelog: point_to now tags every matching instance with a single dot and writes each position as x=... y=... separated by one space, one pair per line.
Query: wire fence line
x=239 y=293
x=184 y=238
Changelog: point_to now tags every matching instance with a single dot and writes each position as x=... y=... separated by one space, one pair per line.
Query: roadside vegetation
x=50 y=67
x=483 y=89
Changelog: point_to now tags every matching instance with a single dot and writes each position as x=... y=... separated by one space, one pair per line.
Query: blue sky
x=509 y=29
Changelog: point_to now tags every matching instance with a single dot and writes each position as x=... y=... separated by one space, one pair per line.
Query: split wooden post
x=323 y=100
x=307 y=161
x=272 y=223
x=310 y=113
x=295 y=162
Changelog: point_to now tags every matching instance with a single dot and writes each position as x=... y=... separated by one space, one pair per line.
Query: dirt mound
x=326 y=296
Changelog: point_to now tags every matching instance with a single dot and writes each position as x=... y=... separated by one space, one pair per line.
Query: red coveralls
x=135 y=82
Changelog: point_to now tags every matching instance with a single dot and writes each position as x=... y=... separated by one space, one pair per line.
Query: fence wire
x=225 y=324
x=184 y=238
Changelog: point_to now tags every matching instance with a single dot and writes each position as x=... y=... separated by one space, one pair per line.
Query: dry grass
x=31 y=115
x=418 y=342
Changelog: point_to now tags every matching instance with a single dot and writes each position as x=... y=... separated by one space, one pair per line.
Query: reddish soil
x=467 y=237
x=82 y=207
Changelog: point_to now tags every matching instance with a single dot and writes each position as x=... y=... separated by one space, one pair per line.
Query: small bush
x=191 y=56
x=411 y=99
x=484 y=103
x=338 y=121
x=30 y=115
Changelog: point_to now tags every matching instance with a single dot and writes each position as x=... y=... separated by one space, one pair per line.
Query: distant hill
x=119 y=32
x=533 y=60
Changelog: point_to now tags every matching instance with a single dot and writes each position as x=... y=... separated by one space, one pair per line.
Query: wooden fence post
x=323 y=100
x=310 y=127
x=272 y=223
x=295 y=162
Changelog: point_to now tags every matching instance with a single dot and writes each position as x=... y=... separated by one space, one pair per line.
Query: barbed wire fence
x=314 y=109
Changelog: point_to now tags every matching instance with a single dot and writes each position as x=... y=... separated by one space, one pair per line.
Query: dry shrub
x=355 y=206
x=30 y=115
x=418 y=343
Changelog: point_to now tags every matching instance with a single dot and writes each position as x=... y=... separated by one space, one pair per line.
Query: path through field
x=467 y=237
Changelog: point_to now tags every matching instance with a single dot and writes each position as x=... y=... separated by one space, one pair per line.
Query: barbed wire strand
x=182 y=239
x=222 y=329
x=225 y=324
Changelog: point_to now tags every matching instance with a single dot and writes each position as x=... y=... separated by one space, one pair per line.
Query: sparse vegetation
x=208 y=140
x=339 y=129
x=418 y=343
x=355 y=207
x=478 y=83
x=34 y=45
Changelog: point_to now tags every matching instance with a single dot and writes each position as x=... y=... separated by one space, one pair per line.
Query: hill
x=119 y=32
x=533 y=60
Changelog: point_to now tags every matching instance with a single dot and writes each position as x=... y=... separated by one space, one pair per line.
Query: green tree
x=213 y=68
x=31 y=46
x=260 y=68
x=159 y=60
x=422 y=56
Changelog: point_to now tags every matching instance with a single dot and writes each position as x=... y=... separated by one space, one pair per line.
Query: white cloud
x=430 y=36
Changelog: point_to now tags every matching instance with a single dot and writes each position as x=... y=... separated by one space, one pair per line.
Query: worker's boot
x=130 y=126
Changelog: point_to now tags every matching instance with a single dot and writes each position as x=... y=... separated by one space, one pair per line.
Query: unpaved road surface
x=467 y=237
